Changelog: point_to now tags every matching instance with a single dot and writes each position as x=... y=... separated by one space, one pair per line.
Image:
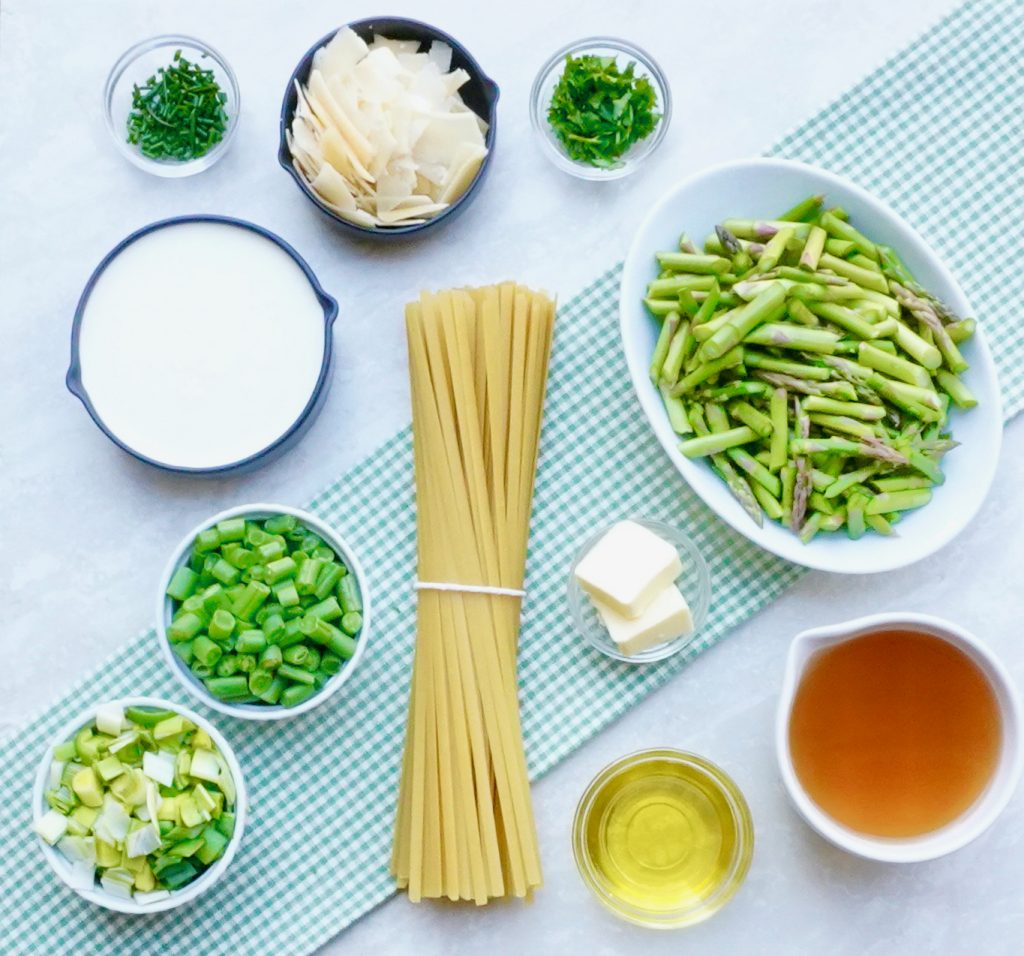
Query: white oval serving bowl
x=973 y=821
x=187 y=893
x=762 y=188
x=165 y=608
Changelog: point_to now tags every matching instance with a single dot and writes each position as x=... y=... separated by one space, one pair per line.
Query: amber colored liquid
x=895 y=733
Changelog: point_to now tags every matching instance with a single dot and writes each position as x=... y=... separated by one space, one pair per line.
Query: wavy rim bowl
x=186 y=894
x=482 y=90
x=762 y=187
x=75 y=385
x=540 y=96
x=171 y=169
x=743 y=851
x=192 y=684
x=973 y=821
x=694 y=581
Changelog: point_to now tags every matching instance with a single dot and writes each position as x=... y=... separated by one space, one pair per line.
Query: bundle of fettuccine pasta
x=478 y=361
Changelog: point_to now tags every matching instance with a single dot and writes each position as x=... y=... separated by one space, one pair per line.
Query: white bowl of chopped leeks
x=118 y=771
x=890 y=400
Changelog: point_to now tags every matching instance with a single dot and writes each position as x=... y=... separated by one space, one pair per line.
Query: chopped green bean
x=251 y=642
x=271 y=657
x=296 y=694
x=183 y=583
x=205 y=651
x=256 y=596
x=296 y=675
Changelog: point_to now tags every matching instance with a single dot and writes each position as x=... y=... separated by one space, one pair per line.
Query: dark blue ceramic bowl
x=280 y=444
x=480 y=94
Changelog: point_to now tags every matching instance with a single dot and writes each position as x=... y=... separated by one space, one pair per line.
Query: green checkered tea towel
x=935 y=132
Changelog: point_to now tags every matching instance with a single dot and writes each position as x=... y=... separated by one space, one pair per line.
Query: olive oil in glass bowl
x=663 y=838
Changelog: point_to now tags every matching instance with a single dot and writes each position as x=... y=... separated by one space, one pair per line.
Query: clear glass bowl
x=694 y=582
x=547 y=79
x=137 y=65
x=701 y=775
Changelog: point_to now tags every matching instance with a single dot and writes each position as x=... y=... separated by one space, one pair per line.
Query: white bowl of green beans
x=263 y=612
x=939 y=497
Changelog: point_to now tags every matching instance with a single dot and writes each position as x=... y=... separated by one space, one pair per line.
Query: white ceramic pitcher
x=970 y=824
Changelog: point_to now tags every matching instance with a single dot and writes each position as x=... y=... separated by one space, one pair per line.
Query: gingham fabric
x=933 y=131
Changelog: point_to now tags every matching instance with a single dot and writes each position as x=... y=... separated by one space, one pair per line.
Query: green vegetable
x=228 y=687
x=152 y=816
x=271 y=606
x=178 y=114
x=819 y=383
x=599 y=110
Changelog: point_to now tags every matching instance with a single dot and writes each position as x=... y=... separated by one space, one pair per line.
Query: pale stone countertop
x=86 y=530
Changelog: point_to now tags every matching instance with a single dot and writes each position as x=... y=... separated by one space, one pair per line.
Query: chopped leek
x=110 y=719
x=82 y=875
x=159 y=767
x=51 y=826
x=140 y=802
x=205 y=766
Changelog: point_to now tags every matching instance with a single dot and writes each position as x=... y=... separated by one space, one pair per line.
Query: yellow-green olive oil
x=666 y=836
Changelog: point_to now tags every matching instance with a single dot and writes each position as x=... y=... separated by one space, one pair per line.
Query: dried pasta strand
x=478 y=358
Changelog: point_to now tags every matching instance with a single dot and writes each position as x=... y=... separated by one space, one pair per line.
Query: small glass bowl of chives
x=263 y=612
x=208 y=104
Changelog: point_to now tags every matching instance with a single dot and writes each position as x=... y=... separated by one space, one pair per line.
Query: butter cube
x=628 y=567
x=666 y=618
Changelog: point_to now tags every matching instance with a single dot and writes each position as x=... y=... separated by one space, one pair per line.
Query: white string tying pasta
x=468 y=588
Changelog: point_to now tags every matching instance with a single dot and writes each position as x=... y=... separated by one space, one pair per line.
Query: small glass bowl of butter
x=639 y=590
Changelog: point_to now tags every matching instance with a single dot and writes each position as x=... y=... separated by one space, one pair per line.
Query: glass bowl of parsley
x=171 y=104
x=600 y=107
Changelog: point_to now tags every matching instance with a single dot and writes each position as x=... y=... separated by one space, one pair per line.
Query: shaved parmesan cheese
x=398 y=215
x=380 y=131
x=444 y=135
x=455 y=80
x=332 y=186
x=462 y=175
x=413 y=62
x=395 y=46
x=329 y=110
x=344 y=51
x=441 y=54
x=334 y=150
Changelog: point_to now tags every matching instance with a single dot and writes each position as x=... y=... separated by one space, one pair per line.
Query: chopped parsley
x=598 y=111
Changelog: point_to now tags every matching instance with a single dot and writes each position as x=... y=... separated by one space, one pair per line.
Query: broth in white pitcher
x=894 y=733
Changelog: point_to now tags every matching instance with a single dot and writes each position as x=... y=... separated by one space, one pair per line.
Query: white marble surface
x=85 y=529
